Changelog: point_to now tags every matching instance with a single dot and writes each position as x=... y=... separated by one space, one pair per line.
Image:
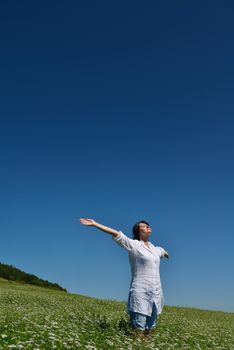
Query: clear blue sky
x=119 y=111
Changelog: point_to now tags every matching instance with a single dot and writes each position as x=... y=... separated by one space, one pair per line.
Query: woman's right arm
x=91 y=222
x=118 y=236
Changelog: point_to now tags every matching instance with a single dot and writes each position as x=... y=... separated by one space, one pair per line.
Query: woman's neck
x=144 y=240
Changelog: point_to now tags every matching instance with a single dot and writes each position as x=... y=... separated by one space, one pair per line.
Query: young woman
x=145 y=300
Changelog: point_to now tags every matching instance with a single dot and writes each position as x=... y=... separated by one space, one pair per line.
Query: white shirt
x=145 y=287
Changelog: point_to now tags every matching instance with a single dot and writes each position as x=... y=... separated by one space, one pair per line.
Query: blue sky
x=119 y=111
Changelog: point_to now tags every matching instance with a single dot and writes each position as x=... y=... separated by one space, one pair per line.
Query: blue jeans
x=143 y=322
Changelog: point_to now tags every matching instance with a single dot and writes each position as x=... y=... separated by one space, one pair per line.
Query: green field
x=37 y=318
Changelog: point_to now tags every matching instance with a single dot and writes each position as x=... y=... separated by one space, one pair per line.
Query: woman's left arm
x=163 y=253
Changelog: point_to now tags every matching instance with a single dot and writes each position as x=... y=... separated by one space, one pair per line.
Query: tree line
x=11 y=273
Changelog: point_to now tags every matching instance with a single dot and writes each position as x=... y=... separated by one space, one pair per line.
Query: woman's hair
x=135 y=229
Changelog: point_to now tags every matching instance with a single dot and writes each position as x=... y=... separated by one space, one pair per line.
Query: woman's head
x=141 y=230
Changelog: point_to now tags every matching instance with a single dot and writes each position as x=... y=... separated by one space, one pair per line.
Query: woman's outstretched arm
x=91 y=222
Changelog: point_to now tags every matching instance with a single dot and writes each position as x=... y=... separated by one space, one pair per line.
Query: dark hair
x=135 y=229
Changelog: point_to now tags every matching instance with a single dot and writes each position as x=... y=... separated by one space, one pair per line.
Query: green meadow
x=37 y=318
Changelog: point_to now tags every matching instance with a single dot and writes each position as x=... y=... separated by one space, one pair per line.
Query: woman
x=145 y=300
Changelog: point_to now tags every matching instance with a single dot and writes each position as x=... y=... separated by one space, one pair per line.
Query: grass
x=36 y=318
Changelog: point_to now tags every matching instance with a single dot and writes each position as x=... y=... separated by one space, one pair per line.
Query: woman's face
x=144 y=230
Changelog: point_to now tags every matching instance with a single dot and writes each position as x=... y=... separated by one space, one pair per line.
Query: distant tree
x=11 y=273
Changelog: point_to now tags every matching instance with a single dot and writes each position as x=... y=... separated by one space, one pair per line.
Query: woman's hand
x=88 y=222
x=91 y=222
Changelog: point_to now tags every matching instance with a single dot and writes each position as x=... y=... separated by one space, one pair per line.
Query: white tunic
x=145 y=287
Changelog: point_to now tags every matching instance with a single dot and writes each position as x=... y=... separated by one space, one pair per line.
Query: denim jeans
x=143 y=322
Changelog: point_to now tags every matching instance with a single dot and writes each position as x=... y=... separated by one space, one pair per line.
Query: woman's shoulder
x=156 y=247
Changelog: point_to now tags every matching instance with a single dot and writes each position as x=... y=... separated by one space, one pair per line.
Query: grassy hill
x=38 y=318
x=12 y=273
